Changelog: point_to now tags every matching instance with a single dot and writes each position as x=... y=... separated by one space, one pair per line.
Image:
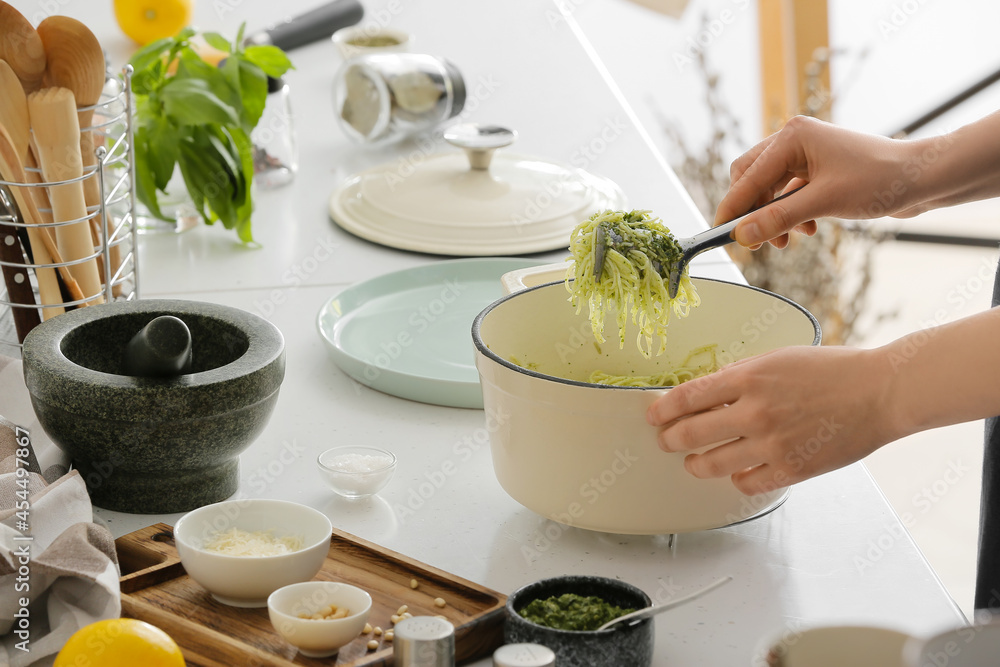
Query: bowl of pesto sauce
x=563 y=613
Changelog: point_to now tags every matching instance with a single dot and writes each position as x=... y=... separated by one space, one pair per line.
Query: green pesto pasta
x=700 y=361
x=634 y=278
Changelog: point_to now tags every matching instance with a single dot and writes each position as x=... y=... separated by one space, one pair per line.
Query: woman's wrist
x=959 y=166
x=884 y=382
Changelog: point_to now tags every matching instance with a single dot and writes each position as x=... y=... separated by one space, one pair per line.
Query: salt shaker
x=424 y=641
x=384 y=97
x=275 y=156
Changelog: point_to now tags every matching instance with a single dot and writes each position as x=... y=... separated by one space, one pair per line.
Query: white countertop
x=833 y=553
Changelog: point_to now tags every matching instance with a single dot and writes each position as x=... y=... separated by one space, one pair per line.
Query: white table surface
x=833 y=553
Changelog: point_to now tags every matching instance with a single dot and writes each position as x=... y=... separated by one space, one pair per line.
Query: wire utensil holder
x=112 y=220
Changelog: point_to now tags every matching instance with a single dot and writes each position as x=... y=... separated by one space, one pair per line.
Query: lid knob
x=479 y=141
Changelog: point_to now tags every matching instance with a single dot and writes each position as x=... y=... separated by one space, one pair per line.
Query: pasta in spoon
x=638 y=254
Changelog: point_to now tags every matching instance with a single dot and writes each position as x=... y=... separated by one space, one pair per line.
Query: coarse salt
x=358 y=463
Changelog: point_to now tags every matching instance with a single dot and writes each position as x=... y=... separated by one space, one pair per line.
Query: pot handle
x=520 y=279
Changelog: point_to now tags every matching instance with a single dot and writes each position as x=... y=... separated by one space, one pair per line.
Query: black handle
x=312 y=26
x=18 y=284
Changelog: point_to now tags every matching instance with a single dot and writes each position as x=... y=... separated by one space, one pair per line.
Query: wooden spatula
x=57 y=137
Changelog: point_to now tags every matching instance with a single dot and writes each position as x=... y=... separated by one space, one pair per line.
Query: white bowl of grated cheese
x=356 y=472
x=244 y=550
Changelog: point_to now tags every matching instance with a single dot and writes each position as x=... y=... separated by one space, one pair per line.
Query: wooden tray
x=155 y=588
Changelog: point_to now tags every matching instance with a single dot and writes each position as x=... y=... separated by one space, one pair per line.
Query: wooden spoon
x=75 y=60
x=21 y=47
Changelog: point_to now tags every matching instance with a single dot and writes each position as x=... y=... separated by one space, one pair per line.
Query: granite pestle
x=161 y=349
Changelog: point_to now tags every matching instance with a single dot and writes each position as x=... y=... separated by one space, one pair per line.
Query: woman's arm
x=853 y=175
x=801 y=411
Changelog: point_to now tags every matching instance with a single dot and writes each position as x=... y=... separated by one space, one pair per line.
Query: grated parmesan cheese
x=259 y=543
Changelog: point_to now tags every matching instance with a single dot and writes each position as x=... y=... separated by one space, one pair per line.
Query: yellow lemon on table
x=120 y=642
x=148 y=20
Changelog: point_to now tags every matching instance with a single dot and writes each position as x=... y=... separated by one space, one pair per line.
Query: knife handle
x=314 y=25
x=17 y=281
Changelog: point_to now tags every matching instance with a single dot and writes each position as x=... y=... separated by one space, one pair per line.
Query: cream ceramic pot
x=582 y=454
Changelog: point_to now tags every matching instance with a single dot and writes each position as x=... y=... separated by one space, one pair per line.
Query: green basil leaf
x=191 y=66
x=225 y=156
x=245 y=210
x=163 y=148
x=145 y=186
x=242 y=151
x=206 y=161
x=253 y=85
x=217 y=41
x=194 y=174
x=239 y=38
x=192 y=102
x=270 y=59
x=230 y=69
x=147 y=81
x=150 y=54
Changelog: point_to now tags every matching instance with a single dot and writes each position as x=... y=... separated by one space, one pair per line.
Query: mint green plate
x=409 y=333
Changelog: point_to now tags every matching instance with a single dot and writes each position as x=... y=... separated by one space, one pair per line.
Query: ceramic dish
x=631 y=645
x=518 y=205
x=834 y=646
x=407 y=333
x=965 y=646
x=318 y=638
x=247 y=581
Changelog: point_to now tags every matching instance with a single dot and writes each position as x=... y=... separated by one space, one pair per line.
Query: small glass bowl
x=356 y=472
x=361 y=40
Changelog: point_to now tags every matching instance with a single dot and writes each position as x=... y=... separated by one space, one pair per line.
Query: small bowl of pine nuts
x=319 y=617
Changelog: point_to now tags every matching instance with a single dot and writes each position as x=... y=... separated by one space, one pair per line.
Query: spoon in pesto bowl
x=649 y=612
x=671 y=255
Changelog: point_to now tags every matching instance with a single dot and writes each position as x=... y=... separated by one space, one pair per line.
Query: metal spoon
x=649 y=612
x=690 y=246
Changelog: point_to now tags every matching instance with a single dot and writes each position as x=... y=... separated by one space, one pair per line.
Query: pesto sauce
x=372 y=41
x=637 y=231
x=572 y=612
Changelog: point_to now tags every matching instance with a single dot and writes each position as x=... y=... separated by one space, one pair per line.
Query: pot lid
x=479 y=203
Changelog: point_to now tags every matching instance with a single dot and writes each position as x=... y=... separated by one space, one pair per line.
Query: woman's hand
x=845 y=174
x=796 y=413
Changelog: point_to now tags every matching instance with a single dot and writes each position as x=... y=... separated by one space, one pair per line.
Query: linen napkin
x=58 y=569
x=15 y=406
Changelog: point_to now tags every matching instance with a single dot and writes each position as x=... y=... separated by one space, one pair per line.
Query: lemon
x=148 y=20
x=120 y=642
